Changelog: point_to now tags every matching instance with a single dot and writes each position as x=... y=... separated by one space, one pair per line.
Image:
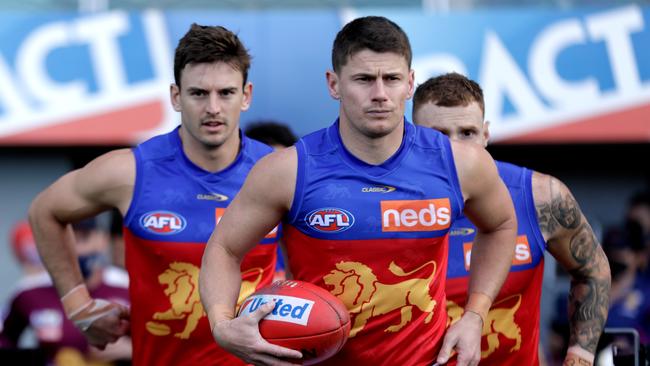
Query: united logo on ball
x=306 y=318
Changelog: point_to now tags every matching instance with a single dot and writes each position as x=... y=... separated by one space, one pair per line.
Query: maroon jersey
x=36 y=305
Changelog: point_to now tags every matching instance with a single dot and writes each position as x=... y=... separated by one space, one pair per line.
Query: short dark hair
x=271 y=133
x=207 y=44
x=641 y=198
x=374 y=33
x=449 y=90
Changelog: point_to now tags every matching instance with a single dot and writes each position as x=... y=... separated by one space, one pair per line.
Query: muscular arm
x=489 y=206
x=571 y=241
x=257 y=208
x=105 y=182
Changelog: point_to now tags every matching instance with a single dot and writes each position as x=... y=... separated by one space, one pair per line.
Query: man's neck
x=212 y=159
x=372 y=150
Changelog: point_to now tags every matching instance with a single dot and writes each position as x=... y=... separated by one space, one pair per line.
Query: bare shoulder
x=105 y=182
x=112 y=170
x=474 y=166
x=117 y=165
x=557 y=209
x=275 y=175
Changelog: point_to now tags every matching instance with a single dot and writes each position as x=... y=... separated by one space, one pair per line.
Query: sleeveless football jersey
x=174 y=210
x=375 y=236
x=511 y=331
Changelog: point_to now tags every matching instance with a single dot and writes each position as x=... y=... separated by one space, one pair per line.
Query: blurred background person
x=35 y=304
x=117 y=239
x=638 y=211
x=630 y=295
x=278 y=135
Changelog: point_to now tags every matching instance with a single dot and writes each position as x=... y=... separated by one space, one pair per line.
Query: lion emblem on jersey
x=357 y=286
x=500 y=321
x=181 y=282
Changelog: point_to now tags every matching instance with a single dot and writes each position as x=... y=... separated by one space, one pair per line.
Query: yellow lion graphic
x=357 y=286
x=181 y=281
x=500 y=320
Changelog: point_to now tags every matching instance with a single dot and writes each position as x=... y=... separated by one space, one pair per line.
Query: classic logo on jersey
x=289 y=309
x=181 y=282
x=378 y=189
x=523 y=254
x=330 y=220
x=416 y=215
x=461 y=231
x=358 y=288
x=163 y=222
x=500 y=323
x=212 y=197
x=218 y=214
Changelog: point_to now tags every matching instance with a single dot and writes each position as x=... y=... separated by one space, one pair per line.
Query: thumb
x=445 y=351
x=263 y=311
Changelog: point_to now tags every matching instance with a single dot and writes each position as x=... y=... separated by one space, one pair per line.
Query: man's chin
x=378 y=129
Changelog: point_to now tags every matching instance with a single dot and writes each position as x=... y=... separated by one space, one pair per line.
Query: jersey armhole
x=137 y=187
x=531 y=211
x=301 y=152
x=453 y=176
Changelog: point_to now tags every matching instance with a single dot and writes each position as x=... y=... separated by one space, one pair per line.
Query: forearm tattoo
x=590 y=284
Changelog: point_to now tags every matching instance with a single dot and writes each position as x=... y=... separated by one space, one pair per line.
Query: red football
x=306 y=318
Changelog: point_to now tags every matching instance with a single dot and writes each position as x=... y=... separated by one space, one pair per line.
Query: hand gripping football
x=306 y=318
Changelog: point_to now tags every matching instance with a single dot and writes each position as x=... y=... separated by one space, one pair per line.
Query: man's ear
x=248 y=96
x=411 y=84
x=333 y=84
x=486 y=132
x=175 y=97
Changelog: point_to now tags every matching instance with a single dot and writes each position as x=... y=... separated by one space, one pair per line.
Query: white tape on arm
x=98 y=308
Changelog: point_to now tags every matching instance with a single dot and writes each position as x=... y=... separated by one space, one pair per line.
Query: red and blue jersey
x=174 y=210
x=375 y=236
x=511 y=331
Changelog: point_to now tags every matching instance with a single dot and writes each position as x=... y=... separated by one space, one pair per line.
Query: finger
x=465 y=359
x=125 y=327
x=447 y=345
x=99 y=345
x=278 y=351
x=263 y=359
x=263 y=311
x=125 y=313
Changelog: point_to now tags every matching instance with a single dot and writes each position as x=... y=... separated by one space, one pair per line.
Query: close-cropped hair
x=373 y=33
x=271 y=133
x=207 y=44
x=449 y=90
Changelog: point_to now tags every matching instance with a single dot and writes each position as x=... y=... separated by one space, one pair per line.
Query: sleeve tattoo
x=590 y=279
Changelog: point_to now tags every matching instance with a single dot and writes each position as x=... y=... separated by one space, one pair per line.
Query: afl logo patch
x=330 y=220
x=163 y=222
